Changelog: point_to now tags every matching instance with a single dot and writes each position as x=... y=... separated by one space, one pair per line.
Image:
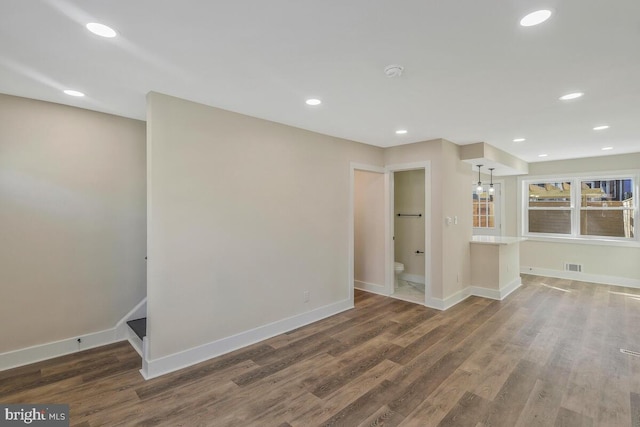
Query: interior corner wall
x=599 y=260
x=244 y=215
x=73 y=215
x=457 y=204
x=369 y=229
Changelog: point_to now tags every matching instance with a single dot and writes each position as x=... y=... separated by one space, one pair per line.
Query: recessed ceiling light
x=542 y=155
x=101 y=30
x=603 y=127
x=607 y=148
x=401 y=131
x=535 y=18
x=519 y=140
x=71 y=92
x=570 y=96
x=313 y=101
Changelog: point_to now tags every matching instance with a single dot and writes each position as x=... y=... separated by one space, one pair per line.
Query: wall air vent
x=572 y=267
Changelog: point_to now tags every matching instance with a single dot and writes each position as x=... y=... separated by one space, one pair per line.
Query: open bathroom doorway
x=409 y=250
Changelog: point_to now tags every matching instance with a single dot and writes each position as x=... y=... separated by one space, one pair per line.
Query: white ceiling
x=472 y=73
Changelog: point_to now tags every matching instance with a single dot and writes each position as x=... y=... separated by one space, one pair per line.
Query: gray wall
x=72 y=209
x=244 y=216
x=369 y=228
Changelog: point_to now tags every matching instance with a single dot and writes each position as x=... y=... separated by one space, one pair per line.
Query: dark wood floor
x=548 y=355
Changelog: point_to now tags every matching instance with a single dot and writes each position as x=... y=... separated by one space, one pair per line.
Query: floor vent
x=572 y=267
x=629 y=352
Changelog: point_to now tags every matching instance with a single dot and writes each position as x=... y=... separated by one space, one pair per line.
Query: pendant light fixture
x=479 y=189
x=491 y=189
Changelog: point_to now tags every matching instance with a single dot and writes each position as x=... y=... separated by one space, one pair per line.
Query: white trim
x=448 y=302
x=582 y=277
x=484 y=292
x=135 y=341
x=461 y=295
x=569 y=240
x=415 y=278
x=40 y=352
x=407 y=166
x=371 y=287
x=389 y=244
x=507 y=290
x=173 y=362
x=497 y=294
x=365 y=167
x=435 y=303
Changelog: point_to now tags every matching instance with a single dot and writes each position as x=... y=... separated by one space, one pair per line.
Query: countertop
x=496 y=240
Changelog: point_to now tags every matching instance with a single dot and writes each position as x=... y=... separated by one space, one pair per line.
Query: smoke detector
x=393 y=70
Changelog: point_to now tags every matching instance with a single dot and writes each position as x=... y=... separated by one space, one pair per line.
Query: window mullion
x=576 y=205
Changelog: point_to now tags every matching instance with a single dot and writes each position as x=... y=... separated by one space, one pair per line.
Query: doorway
x=371 y=232
x=409 y=235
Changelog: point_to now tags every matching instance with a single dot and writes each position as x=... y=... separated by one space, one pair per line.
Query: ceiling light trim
x=571 y=96
x=535 y=18
x=101 y=30
x=75 y=93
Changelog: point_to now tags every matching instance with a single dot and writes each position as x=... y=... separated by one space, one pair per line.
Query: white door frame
x=389 y=252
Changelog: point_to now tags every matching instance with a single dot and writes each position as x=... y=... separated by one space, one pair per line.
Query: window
x=606 y=208
x=550 y=208
x=486 y=211
x=590 y=208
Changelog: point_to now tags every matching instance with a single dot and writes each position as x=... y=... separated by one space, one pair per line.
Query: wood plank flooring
x=549 y=355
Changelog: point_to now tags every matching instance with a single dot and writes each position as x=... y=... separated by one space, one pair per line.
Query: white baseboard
x=413 y=278
x=511 y=287
x=40 y=352
x=371 y=287
x=497 y=294
x=583 y=277
x=164 y=365
x=135 y=341
x=448 y=302
x=463 y=294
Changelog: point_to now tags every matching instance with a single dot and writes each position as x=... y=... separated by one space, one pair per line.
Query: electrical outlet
x=305 y=296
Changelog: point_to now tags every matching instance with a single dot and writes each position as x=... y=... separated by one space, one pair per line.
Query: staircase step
x=139 y=326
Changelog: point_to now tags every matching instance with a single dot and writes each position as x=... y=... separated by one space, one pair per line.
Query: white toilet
x=398 y=268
